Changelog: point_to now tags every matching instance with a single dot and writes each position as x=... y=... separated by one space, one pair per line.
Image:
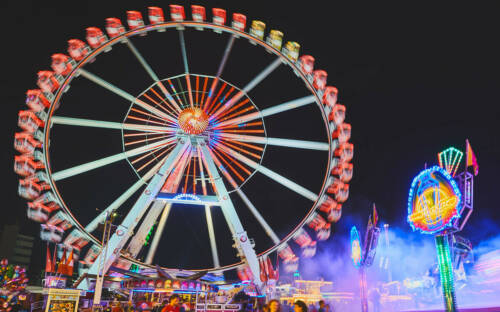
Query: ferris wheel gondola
x=198 y=145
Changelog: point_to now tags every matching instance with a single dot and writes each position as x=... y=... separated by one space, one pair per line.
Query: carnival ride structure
x=191 y=139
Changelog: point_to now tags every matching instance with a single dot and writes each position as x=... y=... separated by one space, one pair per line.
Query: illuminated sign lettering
x=434 y=201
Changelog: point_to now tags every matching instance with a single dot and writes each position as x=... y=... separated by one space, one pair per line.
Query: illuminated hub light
x=355 y=247
x=433 y=201
x=193 y=120
x=450 y=159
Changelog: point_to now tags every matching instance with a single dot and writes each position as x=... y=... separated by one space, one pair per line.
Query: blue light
x=448 y=179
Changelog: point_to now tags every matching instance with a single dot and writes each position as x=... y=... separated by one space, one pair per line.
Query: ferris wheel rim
x=174 y=24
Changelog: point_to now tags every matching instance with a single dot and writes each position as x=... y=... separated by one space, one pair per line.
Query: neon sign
x=434 y=201
x=355 y=247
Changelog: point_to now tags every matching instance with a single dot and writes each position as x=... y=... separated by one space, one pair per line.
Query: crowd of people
x=298 y=306
x=175 y=304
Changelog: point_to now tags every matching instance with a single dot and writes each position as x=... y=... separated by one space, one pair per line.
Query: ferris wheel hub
x=193 y=120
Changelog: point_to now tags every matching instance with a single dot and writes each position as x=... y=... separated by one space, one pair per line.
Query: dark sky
x=415 y=80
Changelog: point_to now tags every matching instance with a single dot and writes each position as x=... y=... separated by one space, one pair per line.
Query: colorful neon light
x=433 y=201
x=355 y=247
x=450 y=159
x=446 y=272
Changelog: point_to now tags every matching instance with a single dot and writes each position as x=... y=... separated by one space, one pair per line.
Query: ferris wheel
x=190 y=139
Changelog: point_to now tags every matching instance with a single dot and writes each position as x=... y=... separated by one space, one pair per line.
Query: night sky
x=415 y=80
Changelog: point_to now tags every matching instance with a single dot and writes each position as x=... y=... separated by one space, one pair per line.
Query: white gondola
x=51 y=233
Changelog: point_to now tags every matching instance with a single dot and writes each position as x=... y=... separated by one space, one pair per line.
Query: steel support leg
x=242 y=242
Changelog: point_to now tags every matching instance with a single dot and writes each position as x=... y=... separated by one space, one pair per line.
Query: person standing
x=274 y=305
x=322 y=307
x=173 y=305
x=299 y=306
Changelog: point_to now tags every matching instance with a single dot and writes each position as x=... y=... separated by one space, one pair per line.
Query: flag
x=61 y=268
x=70 y=264
x=263 y=275
x=271 y=273
x=471 y=159
x=49 y=265
x=375 y=215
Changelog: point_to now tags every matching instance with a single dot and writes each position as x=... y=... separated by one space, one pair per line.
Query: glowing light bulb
x=193 y=120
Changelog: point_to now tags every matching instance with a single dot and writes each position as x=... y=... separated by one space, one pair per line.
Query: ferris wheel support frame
x=242 y=242
x=159 y=231
x=125 y=229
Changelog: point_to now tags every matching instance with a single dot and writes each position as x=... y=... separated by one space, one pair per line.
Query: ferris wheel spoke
x=254 y=82
x=271 y=174
x=222 y=64
x=124 y=197
x=70 y=121
x=320 y=146
x=151 y=73
x=66 y=173
x=141 y=60
x=186 y=66
x=269 y=231
x=103 y=83
x=269 y=111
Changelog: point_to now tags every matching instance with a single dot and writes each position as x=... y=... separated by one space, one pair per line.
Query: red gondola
x=177 y=13
x=317 y=222
x=95 y=37
x=198 y=13
x=29 y=121
x=25 y=143
x=36 y=100
x=114 y=27
x=61 y=64
x=219 y=16
x=323 y=233
x=29 y=189
x=77 y=49
x=319 y=79
x=337 y=115
x=26 y=165
x=306 y=64
x=345 y=152
x=342 y=133
x=334 y=214
x=343 y=171
x=47 y=81
x=239 y=21
x=330 y=96
x=155 y=15
x=327 y=204
x=134 y=20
